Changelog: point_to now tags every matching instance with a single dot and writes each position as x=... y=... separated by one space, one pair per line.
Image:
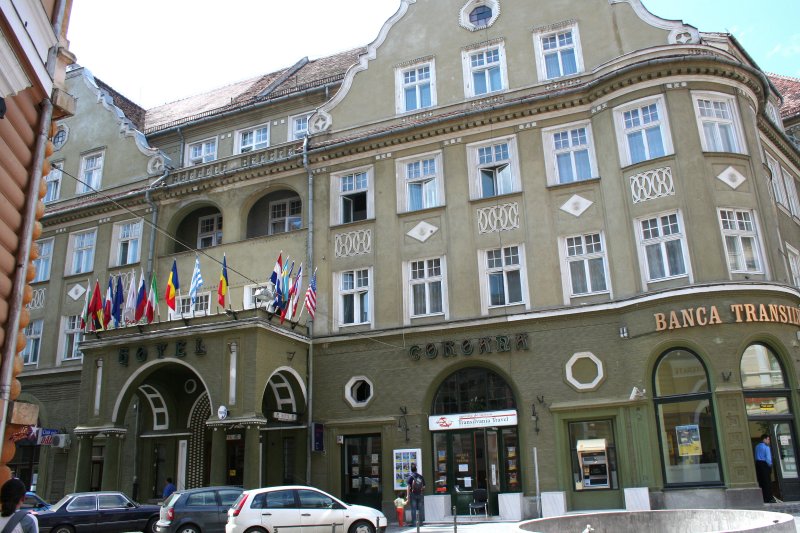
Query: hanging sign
x=472 y=420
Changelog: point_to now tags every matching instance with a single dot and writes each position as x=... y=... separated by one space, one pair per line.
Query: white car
x=299 y=509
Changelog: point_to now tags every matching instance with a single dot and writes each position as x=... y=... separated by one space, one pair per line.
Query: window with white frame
x=778 y=185
x=354 y=297
x=494 y=168
x=253 y=139
x=504 y=269
x=662 y=242
x=73 y=335
x=60 y=138
x=484 y=70
x=558 y=52
x=45 y=259
x=249 y=294
x=718 y=122
x=585 y=258
x=741 y=240
x=416 y=86
x=126 y=242
x=791 y=192
x=299 y=124
x=201 y=152
x=53 y=181
x=33 y=334
x=184 y=309
x=285 y=215
x=772 y=113
x=642 y=130
x=794 y=264
x=354 y=196
x=209 y=231
x=569 y=153
x=81 y=252
x=91 y=174
x=479 y=14
x=420 y=182
x=426 y=287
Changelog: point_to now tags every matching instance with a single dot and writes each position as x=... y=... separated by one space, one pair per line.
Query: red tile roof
x=789 y=88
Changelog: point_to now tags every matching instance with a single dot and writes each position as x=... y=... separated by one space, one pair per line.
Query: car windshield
x=63 y=501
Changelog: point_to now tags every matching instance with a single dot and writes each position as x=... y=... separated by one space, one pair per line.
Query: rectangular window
x=642 y=131
x=778 y=185
x=559 y=54
x=354 y=198
x=571 y=156
x=285 y=215
x=53 y=180
x=82 y=251
x=741 y=240
x=794 y=265
x=183 y=306
x=91 y=173
x=33 y=334
x=586 y=262
x=504 y=276
x=299 y=125
x=495 y=168
x=126 y=243
x=202 y=152
x=354 y=296
x=425 y=287
x=253 y=139
x=791 y=192
x=484 y=70
x=43 y=262
x=416 y=87
x=209 y=231
x=421 y=184
x=72 y=337
x=662 y=242
x=717 y=120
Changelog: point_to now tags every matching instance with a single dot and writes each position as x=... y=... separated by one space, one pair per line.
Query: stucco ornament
x=319 y=122
x=679 y=33
x=574 y=382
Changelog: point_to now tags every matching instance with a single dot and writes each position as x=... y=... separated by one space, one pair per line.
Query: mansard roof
x=789 y=88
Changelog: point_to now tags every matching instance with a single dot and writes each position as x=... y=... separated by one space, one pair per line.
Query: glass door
x=362 y=470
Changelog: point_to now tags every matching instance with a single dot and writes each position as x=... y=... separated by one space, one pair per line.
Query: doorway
x=234 y=453
x=785 y=482
x=361 y=465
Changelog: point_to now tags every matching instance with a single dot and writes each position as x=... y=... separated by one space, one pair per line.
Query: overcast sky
x=159 y=51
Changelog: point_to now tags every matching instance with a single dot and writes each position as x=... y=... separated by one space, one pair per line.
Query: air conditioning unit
x=61 y=440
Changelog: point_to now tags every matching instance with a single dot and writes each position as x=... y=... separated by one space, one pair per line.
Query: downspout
x=310 y=321
x=153 y=221
x=181 y=147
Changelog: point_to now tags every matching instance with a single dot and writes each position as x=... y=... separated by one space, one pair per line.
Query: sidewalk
x=481 y=527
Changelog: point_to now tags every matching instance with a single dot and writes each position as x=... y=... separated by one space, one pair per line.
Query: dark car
x=202 y=510
x=33 y=502
x=106 y=512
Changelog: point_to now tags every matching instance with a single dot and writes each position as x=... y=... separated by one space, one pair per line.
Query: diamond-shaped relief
x=731 y=177
x=576 y=205
x=76 y=291
x=422 y=231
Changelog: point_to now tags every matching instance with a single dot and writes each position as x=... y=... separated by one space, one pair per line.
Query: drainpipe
x=310 y=321
x=153 y=221
x=181 y=147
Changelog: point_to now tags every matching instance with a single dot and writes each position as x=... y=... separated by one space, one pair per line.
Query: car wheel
x=188 y=529
x=362 y=527
x=151 y=525
x=63 y=529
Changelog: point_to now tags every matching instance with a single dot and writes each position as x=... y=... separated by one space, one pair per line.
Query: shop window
x=685 y=413
x=593 y=454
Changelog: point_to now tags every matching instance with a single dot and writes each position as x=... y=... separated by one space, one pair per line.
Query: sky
x=159 y=51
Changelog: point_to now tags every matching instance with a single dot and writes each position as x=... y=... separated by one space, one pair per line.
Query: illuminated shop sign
x=481 y=345
x=736 y=314
x=472 y=420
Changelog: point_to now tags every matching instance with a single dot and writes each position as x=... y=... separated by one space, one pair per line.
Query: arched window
x=472 y=390
x=685 y=412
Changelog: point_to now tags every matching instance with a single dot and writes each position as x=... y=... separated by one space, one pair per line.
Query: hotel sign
x=736 y=314
x=472 y=420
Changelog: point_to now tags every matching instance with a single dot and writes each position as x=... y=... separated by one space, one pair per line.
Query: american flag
x=311 y=295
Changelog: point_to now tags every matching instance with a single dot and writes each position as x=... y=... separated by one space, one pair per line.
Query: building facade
x=555 y=250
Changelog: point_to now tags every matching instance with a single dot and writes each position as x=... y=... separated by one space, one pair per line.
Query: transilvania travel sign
x=735 y=314
x=472 y=420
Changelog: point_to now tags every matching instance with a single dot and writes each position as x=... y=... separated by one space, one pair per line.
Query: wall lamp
x=535 y=418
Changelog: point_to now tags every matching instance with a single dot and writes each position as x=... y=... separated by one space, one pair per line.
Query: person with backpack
x=13 y=520
x=415 y=489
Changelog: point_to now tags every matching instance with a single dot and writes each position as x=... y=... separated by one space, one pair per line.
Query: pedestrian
x=415 y=493
x=400 y=505
x=169 y=488
x=13 y=520
x=763 y=453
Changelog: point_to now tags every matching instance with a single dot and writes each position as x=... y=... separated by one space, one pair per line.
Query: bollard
x=455 y=521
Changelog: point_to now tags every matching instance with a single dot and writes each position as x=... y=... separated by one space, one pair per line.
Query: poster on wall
x=689 y=440
x=403 y=459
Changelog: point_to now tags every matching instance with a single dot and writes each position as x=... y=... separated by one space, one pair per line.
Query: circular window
x=480 y=16
x=60 y=138
x=359 y=391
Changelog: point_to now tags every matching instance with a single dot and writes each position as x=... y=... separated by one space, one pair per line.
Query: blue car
x=106 y=512
x=34 y=503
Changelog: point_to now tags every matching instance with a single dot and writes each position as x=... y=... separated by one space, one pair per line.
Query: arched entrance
x=475 y=437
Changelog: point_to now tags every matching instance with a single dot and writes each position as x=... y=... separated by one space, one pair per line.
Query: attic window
x=481 y=15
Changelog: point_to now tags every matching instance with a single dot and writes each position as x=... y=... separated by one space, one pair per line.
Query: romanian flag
x=222 y=290
x=172 y=286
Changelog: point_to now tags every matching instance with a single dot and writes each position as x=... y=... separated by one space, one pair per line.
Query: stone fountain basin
x=668 y=521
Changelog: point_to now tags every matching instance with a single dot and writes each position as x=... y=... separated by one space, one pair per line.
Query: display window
x=594 y=455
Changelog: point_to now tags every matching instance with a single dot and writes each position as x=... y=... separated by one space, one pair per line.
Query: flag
x=108 y=303
x=197 y=281
x=172 y=286
x=275 y=279
x=85 y=314
x=94 y=319
x=311 y=295
x=152 y=301
x=293 y=296
x=119 y=302
x=141 y=298
x=129 y=314
x=282 y=290
x=222 y=290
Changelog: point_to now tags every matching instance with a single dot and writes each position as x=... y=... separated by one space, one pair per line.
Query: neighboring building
x=790 y=110
x=564 y=235
x=33 y=58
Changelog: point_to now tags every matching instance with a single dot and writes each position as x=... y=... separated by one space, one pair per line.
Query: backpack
x=417 y=484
